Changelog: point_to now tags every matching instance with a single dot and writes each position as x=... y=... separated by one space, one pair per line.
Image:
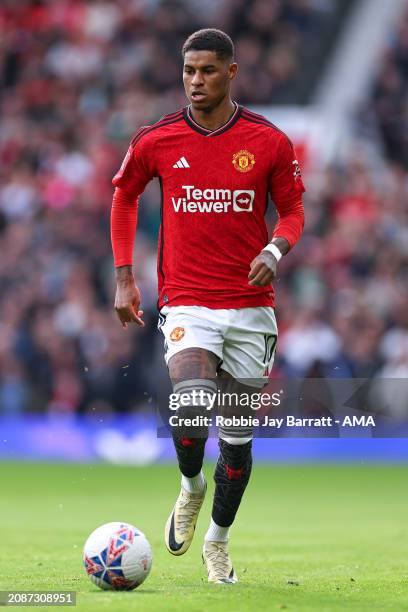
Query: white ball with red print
x=117 y=557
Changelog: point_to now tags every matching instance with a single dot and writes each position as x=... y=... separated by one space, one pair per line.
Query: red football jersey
x=214 y=186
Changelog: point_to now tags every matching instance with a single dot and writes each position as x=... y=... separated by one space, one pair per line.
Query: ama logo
x=243 y=200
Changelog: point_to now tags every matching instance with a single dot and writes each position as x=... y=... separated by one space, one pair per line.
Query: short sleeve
x=286 y=179
x=135 y=171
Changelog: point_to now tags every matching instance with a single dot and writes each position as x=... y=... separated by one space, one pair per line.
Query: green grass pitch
x=316 y=538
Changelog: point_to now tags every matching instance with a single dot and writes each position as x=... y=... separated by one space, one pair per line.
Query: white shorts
x=243 y=338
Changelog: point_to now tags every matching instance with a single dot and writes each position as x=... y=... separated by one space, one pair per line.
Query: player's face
x=207 y=79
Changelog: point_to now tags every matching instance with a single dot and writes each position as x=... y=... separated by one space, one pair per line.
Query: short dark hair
x=210 y=39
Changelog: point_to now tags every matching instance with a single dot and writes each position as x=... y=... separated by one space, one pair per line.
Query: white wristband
x=272 y=248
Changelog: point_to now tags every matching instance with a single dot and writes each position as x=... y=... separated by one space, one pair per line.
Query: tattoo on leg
x=193 y=363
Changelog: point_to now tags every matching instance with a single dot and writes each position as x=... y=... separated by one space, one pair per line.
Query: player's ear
x=232 y=70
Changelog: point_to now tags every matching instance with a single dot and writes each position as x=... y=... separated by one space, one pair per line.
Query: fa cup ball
x=117 y=557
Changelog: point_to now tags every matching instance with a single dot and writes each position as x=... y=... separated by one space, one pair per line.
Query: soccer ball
x=117 y=557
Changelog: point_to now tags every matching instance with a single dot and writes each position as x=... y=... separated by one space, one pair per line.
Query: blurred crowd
x=77 y=79
x=343 y=292
x=389 y=103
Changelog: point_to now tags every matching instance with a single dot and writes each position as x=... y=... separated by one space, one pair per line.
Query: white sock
x=195 y=484
x=216 y=533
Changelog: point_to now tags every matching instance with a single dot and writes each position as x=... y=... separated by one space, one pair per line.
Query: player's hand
x=263 y=269
x=127 y=303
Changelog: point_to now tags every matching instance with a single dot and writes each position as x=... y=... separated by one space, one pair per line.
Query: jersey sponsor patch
x=196 y=200
x=297 y=173
x=243 y=200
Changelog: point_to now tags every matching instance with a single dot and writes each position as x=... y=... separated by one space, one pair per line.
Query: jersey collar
x=204 y=131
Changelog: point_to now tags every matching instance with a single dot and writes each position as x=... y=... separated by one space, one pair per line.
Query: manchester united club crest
x=177 y=334
x=243 y=161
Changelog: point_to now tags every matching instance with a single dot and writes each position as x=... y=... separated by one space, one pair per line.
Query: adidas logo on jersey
x=181 y=163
